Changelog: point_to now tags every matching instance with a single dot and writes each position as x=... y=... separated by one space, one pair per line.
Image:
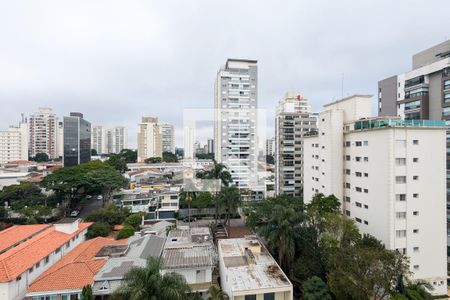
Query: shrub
x=98 y=229
x=133 y=220
x=125 y=232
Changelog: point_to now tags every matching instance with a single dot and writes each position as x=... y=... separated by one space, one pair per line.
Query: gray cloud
x=118 y=60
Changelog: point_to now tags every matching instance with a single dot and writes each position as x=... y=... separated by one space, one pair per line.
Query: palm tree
x=219 y=171
x=187 y=197
x=216 y=293
x=229 y=199
x=146 y=283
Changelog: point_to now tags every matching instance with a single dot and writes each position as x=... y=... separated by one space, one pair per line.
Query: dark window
x=250 y=297
x=269 y=296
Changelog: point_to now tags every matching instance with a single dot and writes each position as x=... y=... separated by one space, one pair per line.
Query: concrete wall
x=387 y=96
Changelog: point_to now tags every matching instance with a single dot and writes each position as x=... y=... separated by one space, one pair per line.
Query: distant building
x=270 y=147
x=168 y=137
x=210 y=145
x=42 y=133
x=26 y=251
x=14 y=143
x=293 y=121
x=77 y=140
x=116 y=139
x=189 y=144
x=248 y=271
x=389 y=175
x=98 y=139
x=235 y=131
x=60 y=139
x=149 y=139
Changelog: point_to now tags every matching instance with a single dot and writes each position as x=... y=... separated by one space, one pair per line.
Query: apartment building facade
x=149 y=139
x=42 y=133
x=387 y=181
x=98 y=139
x=293 y=121
x=14 y=143
x=167 y=132
x=235 y=106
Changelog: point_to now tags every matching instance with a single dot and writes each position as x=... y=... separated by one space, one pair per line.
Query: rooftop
x=249 y=266
x=17 y=234
x=25 y=255
x=347 y=98
x=76 y=269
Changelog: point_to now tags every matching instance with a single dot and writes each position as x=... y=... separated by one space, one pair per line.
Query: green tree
x=216 y=293
x=24 y=194
x=86 y=293
x=134 y=220
x=203 y=200
x=125 y=232
x=40 y=157
x=169 y=157
x=229 y=200
x=98 y=229
x=94 y=152
x=110 y=214
x=36 y=211
x=153 y=160
x=315 y=289
x=104 y=181
x=130 y=156
x=415 y=290
x=117 y=162
x=148 y=284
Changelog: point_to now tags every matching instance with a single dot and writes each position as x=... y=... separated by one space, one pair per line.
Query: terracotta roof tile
x=76 y=269
x=18 y=233
x=22 y=257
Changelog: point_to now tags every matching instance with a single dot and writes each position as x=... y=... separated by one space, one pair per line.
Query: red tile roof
x=76 y=269
x=22 y=257
x=18 y=233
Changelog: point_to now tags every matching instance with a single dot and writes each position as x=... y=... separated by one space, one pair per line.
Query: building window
x=400 y=179
x=47 y=259
x=347 y=144
x=366 y=206
x=415 y=213
x=401 y=250
x=416 y=267
x=366 y=191
x=269 y=296
x=416 y=249
x=415 y=230
x=347 y=185
x=38 y=264
x=415 y=159
x=366 y=223
x=366 y=143
x=366 y=158
x=400 y=215
x=358 y=158
x=347 y=157
x=358 y=174
x=347 y=199
x=400 y=161
x=415 y=142
x=415 y=195
x=400 y=197
x=347 y=171
x=358 y=144
x=358 y=204
x=347 y=213
x=415 y=177
x=400 y=233
x=358 y=189
x=250 y=297
x=366 y=174
x=358 y=220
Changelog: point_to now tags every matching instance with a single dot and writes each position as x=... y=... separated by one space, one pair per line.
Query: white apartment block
x=235 y=120
x=270 y=147
x=390 y=175
x=149 y=139
x=98 y=139
x=249 y=272
x=60 y=139
x=117 y=139
x=168 y=137
x=293 y=121
x=189 y=141
x=42 y=133
x=14 y=143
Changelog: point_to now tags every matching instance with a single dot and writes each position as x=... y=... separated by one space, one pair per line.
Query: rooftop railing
x=367 y=124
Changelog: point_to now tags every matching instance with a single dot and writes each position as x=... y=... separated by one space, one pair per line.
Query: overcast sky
x=116 y=61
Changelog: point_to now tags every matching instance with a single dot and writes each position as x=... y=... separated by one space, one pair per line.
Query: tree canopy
x=40 y=157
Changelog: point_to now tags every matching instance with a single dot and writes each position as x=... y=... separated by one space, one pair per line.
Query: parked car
x=99 y=197
x=187 y=220
x=75 y=213
x=88 y=197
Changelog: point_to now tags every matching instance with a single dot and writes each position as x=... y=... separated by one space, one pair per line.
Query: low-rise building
x=26 y=251
x=191 y=253
x=249 y=272
x=122 y=258
x=156 y=203
x=65 y=279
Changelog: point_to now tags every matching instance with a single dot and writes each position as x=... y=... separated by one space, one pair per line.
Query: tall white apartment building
x=42 y=133
x=168 y=137
x=149 y=139
x=390 y=177
x=293 y=121
x=189 y=142
x=98 y=139
x=235 y=120
x=116 y=139
x=60 y=139
x=14 y=143
x=270 y=147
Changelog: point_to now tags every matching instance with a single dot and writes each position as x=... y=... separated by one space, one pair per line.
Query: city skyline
x=129 y=73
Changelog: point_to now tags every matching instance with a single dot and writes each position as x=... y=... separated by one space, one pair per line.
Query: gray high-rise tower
x=77 y=140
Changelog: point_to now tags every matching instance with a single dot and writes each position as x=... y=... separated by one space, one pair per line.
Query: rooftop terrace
x=396 y=122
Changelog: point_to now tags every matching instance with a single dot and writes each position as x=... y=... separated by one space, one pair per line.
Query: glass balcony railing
x=367 y=124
